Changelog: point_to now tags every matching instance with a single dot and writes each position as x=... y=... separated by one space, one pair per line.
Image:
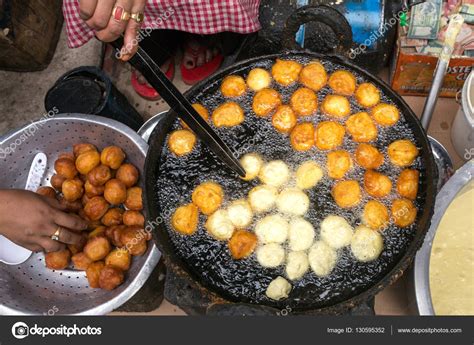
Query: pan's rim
x=422 y=139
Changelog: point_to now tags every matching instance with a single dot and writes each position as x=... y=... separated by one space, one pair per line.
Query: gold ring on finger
x=119 y=14
x=55 y=236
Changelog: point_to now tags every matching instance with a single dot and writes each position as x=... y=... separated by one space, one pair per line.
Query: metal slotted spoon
x=31 y=288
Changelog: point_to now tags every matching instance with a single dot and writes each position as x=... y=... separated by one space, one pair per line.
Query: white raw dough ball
x=300 y=235
x=293 y=201
x=258 y=79
x=240 y=213
x=272 y=229
x=336 y=232
x=366 y=244
x=274 y=173
x=252 y=163
x=262 y=198
x=322 y=259
x=219 y=225
x=278 y=289
x=297 y=265
x=271 y=255
x=308 y=175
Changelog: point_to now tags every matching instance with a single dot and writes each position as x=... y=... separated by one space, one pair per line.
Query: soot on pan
x=245 y=280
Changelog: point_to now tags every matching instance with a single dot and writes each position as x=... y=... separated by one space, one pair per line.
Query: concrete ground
x=22 y=94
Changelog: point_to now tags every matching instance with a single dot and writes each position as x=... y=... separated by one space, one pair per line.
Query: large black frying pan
x=170 y=181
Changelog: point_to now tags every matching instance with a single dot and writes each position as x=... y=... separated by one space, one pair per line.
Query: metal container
x=462 y=130
x=420 y=279
x=31 y=288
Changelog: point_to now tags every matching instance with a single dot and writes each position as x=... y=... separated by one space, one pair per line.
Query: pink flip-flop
x=145 y=90
x=190 y=72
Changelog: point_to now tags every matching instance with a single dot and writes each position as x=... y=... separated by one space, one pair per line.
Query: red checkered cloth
x=195 y=16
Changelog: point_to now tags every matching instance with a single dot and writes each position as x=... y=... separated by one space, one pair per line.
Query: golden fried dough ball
x=57 y=260
x=99 y=175
x=314 y=76
x=262 y=198
x=46 y=191
x=336 y=106
x=219 y=225
x=278 y=289
x=128 y=174
x=96 y=208
x=407 y=183
x=368 y=157
x=185 y=219
x=112 y=217
x=87 y=161
x=81 y=261
x=285 y=72
x=242 y=244
x=361 y=127
x=304 y=101
x=376 y=184
x=115 y=192
x=308 y=175
x=72 y=189
x=93 y=273
x=346 y=193
x=57 y=181
x=208 y=197
x=119 y=258
x=91 y=190
x=322 y=258
x=265 y=101
x=240 y=213
x=112 y=156
x=329 y=135
x=402 y=152
x=130 y=218
x=134 y=199
x=302 y=136
x=76 y=248
x=80 y=148
x=233 y=86
x=258 y=79
x=201 y=110
x=113 y=233
x=366 y=244
x=274 y=173
x=181 y=142
x=68 y=155
x=110 y=277
x=66 y=168
x=228 y=114
x=252 y=163
x=342 y=82
x=338 y=163
x=97 y=248
x=133 y=238
x=403 y=212
x=284 y=119
x=385 y=114
x=336 y=232
x=367 y=95
x=375 y=215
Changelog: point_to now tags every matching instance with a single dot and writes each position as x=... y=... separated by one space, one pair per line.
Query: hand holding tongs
x=175 y=99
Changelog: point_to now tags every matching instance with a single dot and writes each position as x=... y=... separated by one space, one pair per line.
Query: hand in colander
x=29 y=220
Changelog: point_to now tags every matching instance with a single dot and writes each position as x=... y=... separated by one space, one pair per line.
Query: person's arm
x=98 y=15
x=29 y=220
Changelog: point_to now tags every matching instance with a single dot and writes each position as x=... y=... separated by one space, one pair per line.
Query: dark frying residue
x=246 y=280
